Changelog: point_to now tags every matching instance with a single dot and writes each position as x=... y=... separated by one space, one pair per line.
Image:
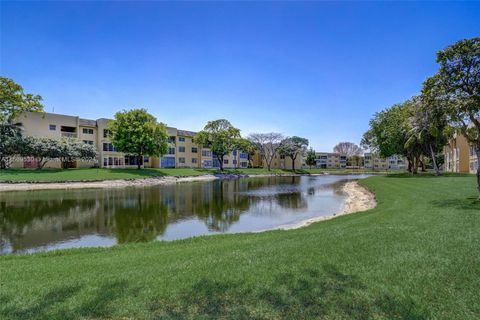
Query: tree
x=10 y=137
x=136 y=132
x=389 y=135
x=13 y=101
x=41 y=149
x=268 y=144
x=348 y=148
x=221 y=137
x=244 y=145
x=355 y=161
x=459 y=76
x=292 y=147
x=311 y=158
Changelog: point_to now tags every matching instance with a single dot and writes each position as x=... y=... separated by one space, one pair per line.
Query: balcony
x=68 y=134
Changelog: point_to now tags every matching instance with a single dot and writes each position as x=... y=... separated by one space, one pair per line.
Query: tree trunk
x=410 y=163
x=293 y=163
x=139 y=161
x=415 y=165
x=220 y=161
x=435 y=166
x=422 y=164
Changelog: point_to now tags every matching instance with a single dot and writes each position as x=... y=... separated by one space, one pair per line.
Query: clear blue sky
x=318 y=70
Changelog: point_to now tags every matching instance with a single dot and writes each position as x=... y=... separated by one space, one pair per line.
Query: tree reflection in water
x=30 y=220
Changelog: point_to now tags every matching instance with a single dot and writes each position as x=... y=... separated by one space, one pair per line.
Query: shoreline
x=120 y=183
x=358 y=199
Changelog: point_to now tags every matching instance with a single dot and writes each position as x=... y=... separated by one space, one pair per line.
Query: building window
x=181 y=139
x=194 y=150
x=105 y=162
x=181 y=160
x=106 y=133
x=234 y=153
x=52 y=127
x=234 y=162
x=194 y=160
x=181 y=149
x=171 y=139
x=282 y=157
x=146 y=159
x=225 y=161
x=110 y=161
x=109 y=147
x=206 y=153
x=171 y=150
x=87 y=131
x=90 y=142
x=243 y=164
x=243 y=155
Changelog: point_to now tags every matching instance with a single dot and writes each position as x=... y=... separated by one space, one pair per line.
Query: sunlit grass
x=413 y=257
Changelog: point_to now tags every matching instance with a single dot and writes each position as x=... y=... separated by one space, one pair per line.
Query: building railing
x=69 y=134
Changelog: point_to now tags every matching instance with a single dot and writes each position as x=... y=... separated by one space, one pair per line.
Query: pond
x=56 y=219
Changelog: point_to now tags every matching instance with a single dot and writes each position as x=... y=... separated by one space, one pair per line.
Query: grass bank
x=101 y=174
x=416 y=256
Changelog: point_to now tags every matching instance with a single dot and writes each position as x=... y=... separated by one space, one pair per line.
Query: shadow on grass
x=310 y=294
x=470 y=203
x=53 y=305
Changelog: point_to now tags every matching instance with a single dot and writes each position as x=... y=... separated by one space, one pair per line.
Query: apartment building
x=459 y=156
x=329 y=160
x=375 y=162
x=182 y=151
x=278 y=162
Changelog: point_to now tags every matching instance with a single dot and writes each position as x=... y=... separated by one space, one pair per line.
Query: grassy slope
x=58 y=175
x=415 y=256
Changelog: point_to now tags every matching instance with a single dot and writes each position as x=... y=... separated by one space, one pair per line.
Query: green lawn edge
x=415 y=256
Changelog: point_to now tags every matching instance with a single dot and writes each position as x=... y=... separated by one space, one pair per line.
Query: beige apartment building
x=460 y=156
x=375 y=162
x=330 y=160
x=182 y=152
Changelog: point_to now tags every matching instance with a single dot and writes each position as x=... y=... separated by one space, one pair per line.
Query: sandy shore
x=102 y=184
x=25 y=186
x=358 y=199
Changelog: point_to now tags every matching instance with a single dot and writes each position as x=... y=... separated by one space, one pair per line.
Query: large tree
x=348 y=148
x=268 y=144
x=292 y=147
x=136 y=132
x=13 y=102
x=459 y=76
x=221 y=137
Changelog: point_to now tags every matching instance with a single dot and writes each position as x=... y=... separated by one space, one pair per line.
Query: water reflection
x=44 y=220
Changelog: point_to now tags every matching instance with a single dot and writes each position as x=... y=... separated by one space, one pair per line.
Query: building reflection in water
x=39 y=220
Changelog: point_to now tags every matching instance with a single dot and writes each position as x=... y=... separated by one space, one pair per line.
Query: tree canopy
x=14 y=101
x=268 y=144
x=348 y=148
x=221 y=137
x=136 y=132
x=292 y=147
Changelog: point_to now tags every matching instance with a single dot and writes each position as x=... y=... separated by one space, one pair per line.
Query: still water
x=56 y=219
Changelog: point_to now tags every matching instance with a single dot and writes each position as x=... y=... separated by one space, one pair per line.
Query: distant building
x=182 y=151
x=460 y=156
x=375 y=162
x=329 y=160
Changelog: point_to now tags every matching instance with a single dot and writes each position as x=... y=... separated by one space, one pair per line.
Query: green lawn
x=416 y=256
x=59 y=175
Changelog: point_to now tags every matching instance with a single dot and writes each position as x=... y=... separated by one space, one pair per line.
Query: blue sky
x=314 y=69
